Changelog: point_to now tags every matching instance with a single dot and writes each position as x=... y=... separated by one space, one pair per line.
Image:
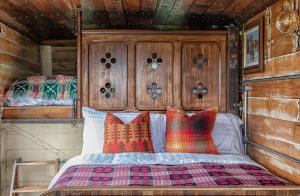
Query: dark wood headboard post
x=79 y=61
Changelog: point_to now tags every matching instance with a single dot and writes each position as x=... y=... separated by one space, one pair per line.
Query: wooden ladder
x=15 y=189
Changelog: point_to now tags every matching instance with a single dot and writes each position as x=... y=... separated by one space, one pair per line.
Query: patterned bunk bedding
x=42 y=91
x=162 y=170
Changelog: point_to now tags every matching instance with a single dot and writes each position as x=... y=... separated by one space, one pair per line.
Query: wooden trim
x=272 y=78
x=38 y=112
x=154 y=32
x=255 y=190
x=79 y=63
x=60 y=42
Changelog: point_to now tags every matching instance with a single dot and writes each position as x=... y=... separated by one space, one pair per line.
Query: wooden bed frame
x=39 y=112
x=257 y=190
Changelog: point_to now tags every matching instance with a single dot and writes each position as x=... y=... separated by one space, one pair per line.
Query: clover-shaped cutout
x=154 y=91
x=107 y=90
x=154 y=61
x=108 y=60
x=200 y=61
x=200 y=90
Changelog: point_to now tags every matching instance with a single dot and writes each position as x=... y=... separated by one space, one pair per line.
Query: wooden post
x=79 y=62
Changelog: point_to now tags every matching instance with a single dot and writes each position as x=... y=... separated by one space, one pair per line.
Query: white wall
x=37 y=142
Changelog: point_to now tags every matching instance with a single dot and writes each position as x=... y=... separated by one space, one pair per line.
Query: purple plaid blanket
x=194 y=174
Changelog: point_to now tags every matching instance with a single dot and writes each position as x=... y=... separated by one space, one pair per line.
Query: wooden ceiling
x=54 y=19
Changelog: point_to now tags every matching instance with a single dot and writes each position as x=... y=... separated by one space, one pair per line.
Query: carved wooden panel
x=154 y=62
x=200 y=75
x=108 y=75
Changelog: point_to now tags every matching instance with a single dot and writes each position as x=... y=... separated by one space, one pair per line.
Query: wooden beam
x=148 y=5
x=131 y=5
x=115 y=12
x=56 y=15
x=235 y=7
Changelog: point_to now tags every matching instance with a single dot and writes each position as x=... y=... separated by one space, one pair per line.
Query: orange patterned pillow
x=191 y=134
x=132 y=137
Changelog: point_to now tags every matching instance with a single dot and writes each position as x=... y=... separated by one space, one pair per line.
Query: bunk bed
x=41 y=97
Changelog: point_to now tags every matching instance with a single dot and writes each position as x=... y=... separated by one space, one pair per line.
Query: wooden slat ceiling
x=54 y=19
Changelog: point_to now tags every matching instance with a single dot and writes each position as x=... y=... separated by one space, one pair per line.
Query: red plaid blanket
x=195 y=174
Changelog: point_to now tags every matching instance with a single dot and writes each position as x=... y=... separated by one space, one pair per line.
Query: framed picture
x=253 y=46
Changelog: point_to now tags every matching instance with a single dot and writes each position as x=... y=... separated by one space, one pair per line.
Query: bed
x=41 y=97
x=160 y=173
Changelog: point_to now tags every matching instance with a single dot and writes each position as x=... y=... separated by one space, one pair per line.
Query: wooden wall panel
x=64 y=60
x=19 y=57
x=288 y=88
x=108 y=75
x=273 y=103
x=146 y=76
x=196 y=71
x=279 y=66
x=282 y=45
x=276 y=164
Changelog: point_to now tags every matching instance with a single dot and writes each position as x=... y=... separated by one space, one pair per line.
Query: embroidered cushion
x=132 y=137
x=191 y=134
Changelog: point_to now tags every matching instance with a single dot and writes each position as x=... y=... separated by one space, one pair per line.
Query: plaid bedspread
x=194 y=174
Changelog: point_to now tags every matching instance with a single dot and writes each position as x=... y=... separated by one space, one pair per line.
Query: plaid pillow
x=191 y=134
x=132 y=137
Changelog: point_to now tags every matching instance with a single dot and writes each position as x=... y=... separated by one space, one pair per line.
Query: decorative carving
x=108 y=60
x=154 y=61
x=200 y=90
x=200 y=61
x=154 y=90
x=286 y=20
x=107 y=90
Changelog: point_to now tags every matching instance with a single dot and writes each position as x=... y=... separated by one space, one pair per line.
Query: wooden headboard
x=130 y=70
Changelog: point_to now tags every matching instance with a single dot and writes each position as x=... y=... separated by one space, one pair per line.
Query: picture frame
x=253 y=47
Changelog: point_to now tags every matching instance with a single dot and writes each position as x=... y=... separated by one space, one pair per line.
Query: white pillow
x=227 y=134
x=93 y=132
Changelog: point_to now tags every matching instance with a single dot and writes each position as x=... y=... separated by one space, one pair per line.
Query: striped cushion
x=191 y=134
x=132 y=137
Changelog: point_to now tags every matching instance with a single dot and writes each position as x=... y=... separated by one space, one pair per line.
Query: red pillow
x=132 y=137
x=191 y=134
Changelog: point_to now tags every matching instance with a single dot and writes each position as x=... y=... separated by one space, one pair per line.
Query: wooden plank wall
x=273 y=110
x=36 y=141
x=62 y=56
x=19 y=57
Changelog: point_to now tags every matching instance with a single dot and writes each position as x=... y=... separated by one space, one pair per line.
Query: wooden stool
x=14 y=188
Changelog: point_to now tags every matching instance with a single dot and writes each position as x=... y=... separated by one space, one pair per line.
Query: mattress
x=162 y=169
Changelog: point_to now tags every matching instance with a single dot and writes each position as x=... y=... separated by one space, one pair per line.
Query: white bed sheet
x=151 y=158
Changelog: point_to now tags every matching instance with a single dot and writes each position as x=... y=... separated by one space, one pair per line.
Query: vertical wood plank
x=131 y=76
x=46 y=60
x=79 y=63
x=177 y=75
